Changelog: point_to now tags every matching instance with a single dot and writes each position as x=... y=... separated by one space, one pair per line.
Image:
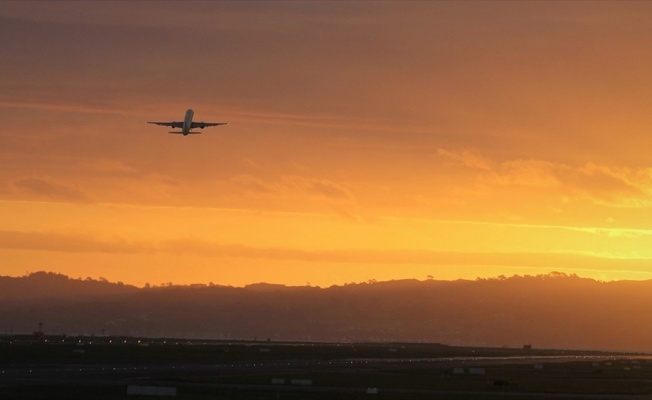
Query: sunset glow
x=366 y=140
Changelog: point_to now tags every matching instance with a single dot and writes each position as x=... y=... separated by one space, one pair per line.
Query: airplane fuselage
x=187 y=122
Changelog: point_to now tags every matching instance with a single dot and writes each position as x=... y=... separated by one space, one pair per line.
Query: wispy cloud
x=323 y=188
x=607 y=185
x=70 y=107
x=523 y=172
x=466 y=158
x=48 y=189
x=77 y=243
x=292 y=186
x=109 y=166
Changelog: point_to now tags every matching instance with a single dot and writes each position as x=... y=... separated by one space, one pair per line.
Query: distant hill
x=551 y=311
x=47 y=285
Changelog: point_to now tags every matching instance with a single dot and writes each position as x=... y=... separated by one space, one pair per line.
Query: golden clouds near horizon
x=128 y=243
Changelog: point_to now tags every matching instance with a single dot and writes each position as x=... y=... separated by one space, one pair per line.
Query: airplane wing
x=170 y=124
x=203 y=125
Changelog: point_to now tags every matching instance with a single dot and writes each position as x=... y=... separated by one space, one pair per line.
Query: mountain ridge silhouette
x=549 y=311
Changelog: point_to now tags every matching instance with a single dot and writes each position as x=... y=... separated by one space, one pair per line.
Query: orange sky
x=366 y=140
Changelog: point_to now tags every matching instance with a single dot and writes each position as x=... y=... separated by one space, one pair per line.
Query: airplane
x=187 y=125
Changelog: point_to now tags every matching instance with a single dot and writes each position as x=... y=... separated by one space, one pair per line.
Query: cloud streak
x=76 y=243
x=48 y=189
x=466 y=158
x=612 y=186
x=291 y=186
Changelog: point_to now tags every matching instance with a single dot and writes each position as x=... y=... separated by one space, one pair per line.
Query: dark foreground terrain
x=130 y=368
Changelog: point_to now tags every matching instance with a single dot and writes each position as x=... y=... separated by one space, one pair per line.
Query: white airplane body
x=187 y=125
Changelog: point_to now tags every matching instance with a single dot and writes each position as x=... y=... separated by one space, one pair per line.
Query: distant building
x=39 y=334
x=301 y=382
x=167 y=391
